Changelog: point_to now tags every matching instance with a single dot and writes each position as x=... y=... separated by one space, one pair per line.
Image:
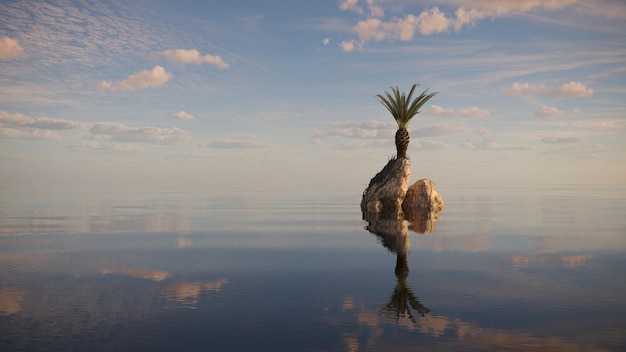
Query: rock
x=385 y=192
x=423 y=195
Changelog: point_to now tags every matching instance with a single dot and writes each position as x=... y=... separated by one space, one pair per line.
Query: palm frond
x=401 y=106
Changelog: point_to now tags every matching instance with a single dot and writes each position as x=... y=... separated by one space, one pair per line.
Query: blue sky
x=282 y=92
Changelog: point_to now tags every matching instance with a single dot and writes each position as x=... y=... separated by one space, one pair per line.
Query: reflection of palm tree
x=402 y=301
x=394 y=236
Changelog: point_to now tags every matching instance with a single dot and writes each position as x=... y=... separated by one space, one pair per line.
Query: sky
x=282 y=93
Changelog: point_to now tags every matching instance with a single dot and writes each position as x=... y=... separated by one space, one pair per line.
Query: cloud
x=445 y=129
x=247 y=141
x=192 y=56
x=562 y=140
x=155 y=135
x=144 y=79
x=367 y=130
x=433 y=20
x=349 y=46
x=183 y=115
x=19 y=126
x=571 y=89
x=326 y=41
x=14 y=133
x=473 y=112
x=10 y=49
x=44 y=123
x=522 y=89
x=440 y=111
x=549 y=112
x=115 y=148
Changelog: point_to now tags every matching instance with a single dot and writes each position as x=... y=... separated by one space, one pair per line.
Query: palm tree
x=402 y=108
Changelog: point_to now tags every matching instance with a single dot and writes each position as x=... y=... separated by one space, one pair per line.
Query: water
x=156 y=269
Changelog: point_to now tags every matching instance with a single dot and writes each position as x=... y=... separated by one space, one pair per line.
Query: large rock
x=385 y=192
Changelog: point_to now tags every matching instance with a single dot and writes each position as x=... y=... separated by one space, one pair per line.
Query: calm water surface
x=156 y=269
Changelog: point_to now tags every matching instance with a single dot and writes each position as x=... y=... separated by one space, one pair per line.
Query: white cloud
x=349 y=46
x=193 y=56
x=548 y=112
x=522 y=89
x=440 y=111
x=94 y=146
x=473 y=112
x=144 y=79
x=155 y=135
x=10 y=49
x=47 y=123
x=14 y=119
x=350 y=5
x=19 y=126
x=433 y=20
x=44 y=123
x=183 y=115
x=326 y=41
x=570 y=89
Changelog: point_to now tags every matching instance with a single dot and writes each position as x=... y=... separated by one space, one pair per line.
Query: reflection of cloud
x=433 y=325
x=576 y=260
x=188 y=292
x=154 y=275
x=348 y=303
x=571 y=261
x=10 y=301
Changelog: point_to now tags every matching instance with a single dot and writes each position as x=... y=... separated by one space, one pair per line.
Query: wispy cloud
x=14 y=133
x=437 y=110
x=10 y=49
x=473 y=112
x=113 y=148
x=570 y=89
x=141 y=80
x=245 y=141
x=154 y=135
x=193 y=56
x=19 y=126
x=349 y=129
x=549 y=112
x=439 y=130
x=562 y=140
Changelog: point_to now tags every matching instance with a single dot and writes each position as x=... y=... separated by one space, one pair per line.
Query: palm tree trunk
x=402 y=142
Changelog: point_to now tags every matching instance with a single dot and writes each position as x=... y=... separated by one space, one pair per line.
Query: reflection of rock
x=392 y=232
x=387 y=225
